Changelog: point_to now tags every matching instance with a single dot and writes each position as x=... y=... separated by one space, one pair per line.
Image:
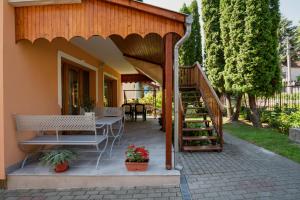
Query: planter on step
x=59 y=168
x=137 y=166
x=137 y=158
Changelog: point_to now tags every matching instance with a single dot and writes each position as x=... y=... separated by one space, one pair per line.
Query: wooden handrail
x=196 y=78
x=209 y=85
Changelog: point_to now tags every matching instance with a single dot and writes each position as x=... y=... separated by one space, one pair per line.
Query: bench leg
x=30 y=154
x=25 y=159
x=112 y=145
x=101 y=152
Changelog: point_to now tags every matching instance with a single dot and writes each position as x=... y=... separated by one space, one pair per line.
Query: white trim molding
x=61 y=55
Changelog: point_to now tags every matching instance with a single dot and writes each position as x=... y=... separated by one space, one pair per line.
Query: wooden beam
x=169 y=94
x=180 y=17
x=133 y=78
x=141 y=59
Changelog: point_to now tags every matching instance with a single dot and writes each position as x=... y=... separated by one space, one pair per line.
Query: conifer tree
x=257 y=60
x=233 y=25
x=213 y=45
x=276 y=81
x=191 y=51
x=186 y=50
x=196 y=31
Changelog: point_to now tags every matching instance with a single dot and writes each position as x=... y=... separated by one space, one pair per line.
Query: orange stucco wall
x=2 y=166
x=30 y=80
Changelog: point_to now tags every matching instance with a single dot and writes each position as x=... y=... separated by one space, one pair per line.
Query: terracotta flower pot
x=137 y=166
x=61 y=167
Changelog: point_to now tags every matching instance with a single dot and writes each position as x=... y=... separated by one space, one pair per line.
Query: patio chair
x=140 y=110
x=128 y=110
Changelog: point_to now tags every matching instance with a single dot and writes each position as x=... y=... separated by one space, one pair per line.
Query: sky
x=289 y=8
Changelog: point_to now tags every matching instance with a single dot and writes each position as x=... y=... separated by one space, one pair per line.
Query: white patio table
x=110 y=124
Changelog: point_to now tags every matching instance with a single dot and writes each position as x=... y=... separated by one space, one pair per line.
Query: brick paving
x=147 y=193
x=241 y=171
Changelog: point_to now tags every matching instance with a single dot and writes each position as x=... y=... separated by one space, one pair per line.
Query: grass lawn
x=267 y=138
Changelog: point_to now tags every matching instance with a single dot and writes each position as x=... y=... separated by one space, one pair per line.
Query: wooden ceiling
x=149 y=49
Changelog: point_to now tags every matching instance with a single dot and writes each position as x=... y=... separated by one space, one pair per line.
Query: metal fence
x=289 y=97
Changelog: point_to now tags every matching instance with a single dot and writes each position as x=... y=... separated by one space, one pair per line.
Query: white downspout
x=188 y=24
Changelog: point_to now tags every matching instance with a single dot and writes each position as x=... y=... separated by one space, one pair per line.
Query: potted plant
x=137 y=158
x=88 y=105
x=58 y=159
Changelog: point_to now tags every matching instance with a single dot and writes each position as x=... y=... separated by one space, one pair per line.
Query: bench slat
x=65 y=140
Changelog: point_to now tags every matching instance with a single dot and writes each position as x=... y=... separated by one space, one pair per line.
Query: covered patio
x=112 y=171
x=69 y=52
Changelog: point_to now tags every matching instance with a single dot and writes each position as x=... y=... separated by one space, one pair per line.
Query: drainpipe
x=188 y=24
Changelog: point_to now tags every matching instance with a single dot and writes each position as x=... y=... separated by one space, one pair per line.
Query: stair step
x=197 y=121
x=199 y=114
x=190 y=96
x=194 y=108
x=205 y=148
x=183 y=88
x=197 y=129
x=199 y=138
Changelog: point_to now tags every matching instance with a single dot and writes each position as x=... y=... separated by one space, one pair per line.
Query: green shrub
x=281 y=119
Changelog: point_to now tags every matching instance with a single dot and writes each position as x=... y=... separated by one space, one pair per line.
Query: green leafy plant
x=137 y=154
x=56 y=157
x=88 y=105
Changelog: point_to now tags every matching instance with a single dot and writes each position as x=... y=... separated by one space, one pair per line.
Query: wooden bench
x=43 y=125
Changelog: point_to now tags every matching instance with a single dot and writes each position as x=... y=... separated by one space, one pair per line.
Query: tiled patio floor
x=138 y=133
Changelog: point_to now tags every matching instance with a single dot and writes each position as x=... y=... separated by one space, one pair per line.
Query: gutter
x=188 y=25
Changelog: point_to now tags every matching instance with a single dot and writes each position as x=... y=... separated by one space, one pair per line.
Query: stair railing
x=195 y=77
x=187 y=77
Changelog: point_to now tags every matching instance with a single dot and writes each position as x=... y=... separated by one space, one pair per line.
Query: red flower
x=131 y=146
x=143 y=152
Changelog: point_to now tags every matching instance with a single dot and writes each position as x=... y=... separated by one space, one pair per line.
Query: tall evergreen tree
x=276 y=81
x=257 y=61
x=213 y=45
x=191 y=51
x=186 y=50
x=232 y=27
x=196 y=31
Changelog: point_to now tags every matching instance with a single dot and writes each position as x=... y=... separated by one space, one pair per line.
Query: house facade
x=54 y=56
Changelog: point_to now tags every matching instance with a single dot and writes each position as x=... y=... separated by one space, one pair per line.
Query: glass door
x=75 y=88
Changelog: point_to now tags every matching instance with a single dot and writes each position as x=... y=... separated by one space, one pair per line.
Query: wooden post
x=163 y=105
x=168 y=97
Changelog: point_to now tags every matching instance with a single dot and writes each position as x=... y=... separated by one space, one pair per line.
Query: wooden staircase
x=200 y=113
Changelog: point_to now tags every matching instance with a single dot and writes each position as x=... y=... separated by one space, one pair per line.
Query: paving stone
x=241 y=171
